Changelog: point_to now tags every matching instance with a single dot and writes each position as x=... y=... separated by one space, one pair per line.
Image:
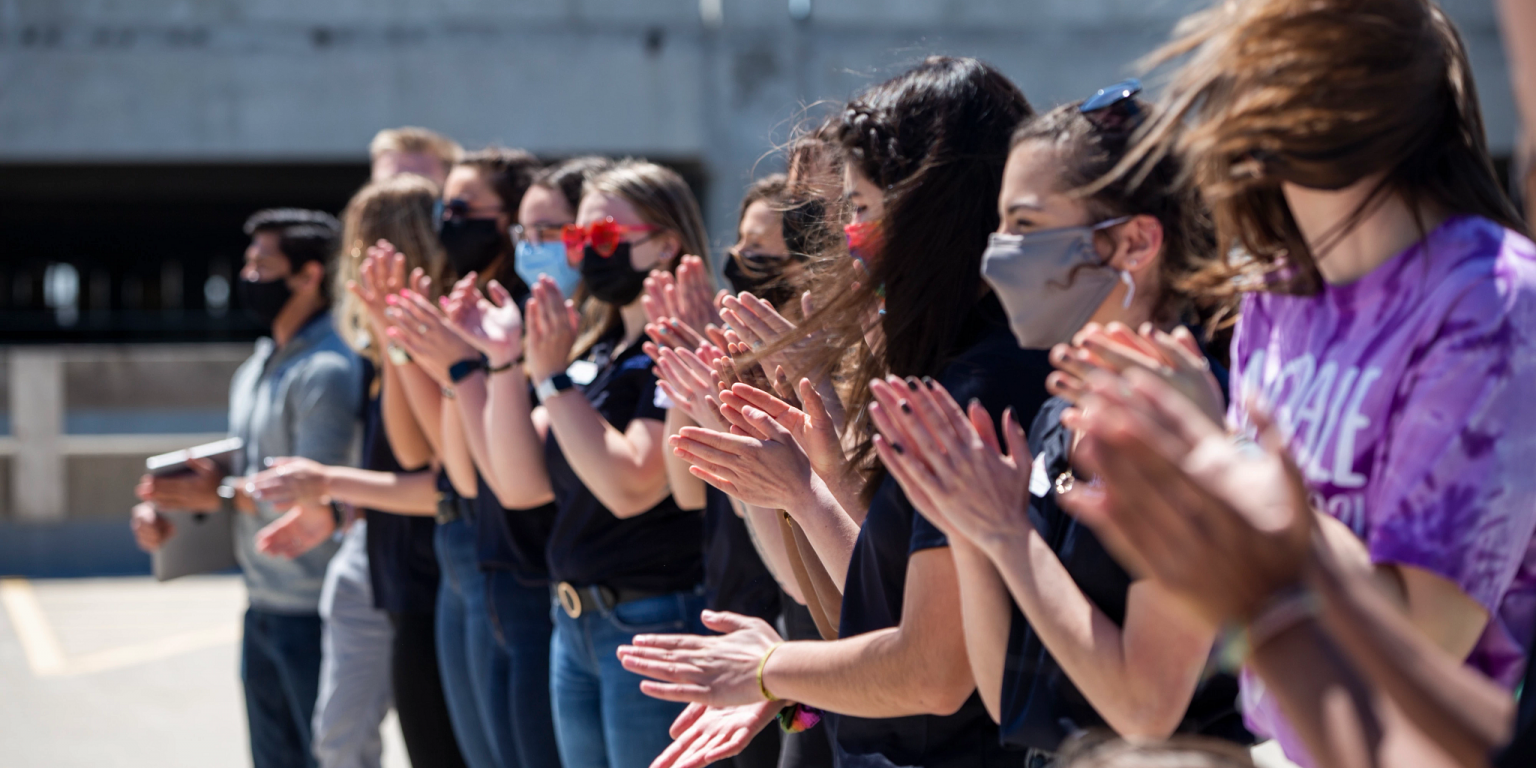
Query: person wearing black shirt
x=1080 y=644
x=924 y=155
x=622 y=556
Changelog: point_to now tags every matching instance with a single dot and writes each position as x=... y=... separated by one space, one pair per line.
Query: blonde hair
x=663 y=200
x=399 y=210
x=414 y=140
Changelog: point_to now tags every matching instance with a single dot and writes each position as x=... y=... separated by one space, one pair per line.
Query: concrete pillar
x=37 y=423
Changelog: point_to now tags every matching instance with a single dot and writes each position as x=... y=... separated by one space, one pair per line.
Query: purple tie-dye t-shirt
x=1409 y=398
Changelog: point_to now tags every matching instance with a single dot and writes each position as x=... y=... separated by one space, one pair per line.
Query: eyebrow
x=1024 y=204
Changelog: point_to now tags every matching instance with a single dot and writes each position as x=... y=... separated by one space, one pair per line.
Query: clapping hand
x=552 y=323
x=703 y=735
x=950 y=464
x=720 y=670
x=300 y=529
x=493 y=326
x=1222 y=527
x=681 y=306
x=381 y=274
x=421 y=327
x=690 y=383
x=1175 y=357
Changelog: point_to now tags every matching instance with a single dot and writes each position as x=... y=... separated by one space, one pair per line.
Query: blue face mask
x=532 y=260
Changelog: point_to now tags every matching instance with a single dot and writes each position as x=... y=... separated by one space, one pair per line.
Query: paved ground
x=126 y=672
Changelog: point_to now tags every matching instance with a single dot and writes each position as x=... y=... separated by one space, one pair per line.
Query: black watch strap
x=462 y=369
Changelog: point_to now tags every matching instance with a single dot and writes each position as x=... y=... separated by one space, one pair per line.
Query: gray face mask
x=1034 y=278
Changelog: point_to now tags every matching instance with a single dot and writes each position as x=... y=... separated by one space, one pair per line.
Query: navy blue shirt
x=401 y=564
x=1040 y=705
x=735 y=578
x=993 y=369
x=659 y=550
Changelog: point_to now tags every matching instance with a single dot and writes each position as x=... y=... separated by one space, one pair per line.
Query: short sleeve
x=652 y=402
x=925 y=535
x=1454 y=492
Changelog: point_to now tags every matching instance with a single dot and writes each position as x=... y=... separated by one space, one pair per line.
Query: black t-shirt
x=1040 y=705
x=660 y=550
x=401 y=564
x=512 y=539
x=993 y=369
x=735 y=578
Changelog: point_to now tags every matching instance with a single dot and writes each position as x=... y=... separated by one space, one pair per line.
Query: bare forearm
x=425 y=399
x=870 y=675
x=1467 y=714
x=516 y=452
x=768 y=538
x=828 y=527
x=406 y=439
x=404 y=493
x=456 y=457
x=1141 y=677
x=626 y=478
x=469 y=402
x=987 y=612
x=688 y=491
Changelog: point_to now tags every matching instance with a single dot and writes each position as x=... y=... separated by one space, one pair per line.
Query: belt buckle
x=570 y=600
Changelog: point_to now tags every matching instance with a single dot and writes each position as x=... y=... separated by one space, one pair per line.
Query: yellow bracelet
x=760 y=666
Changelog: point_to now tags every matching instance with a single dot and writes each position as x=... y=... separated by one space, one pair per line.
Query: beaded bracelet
x=798 y=717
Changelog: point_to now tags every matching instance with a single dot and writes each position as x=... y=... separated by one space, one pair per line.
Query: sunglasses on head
x=1114 y=107
x=604 y=236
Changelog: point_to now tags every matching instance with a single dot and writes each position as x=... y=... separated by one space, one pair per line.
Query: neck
x=295 y=313
x=633 y=315
x=1387 y=228
x=1143 y=304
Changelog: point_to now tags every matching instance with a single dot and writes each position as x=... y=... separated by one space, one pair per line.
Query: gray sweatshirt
x=301 y=400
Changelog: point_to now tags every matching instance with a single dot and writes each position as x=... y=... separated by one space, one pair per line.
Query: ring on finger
x=422 y=328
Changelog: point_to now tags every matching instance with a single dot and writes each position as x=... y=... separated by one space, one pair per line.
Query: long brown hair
x=935 y=138
x=1321 y=94
x=397 y=209
x=663 y=200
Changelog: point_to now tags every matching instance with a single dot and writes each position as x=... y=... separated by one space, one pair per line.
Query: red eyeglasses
x=604 y=236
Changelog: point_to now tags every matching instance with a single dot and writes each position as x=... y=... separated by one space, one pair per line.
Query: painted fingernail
x=897 y=448
x=929 y=381
x=912 y=383
x=904 y=407
x=974 y=402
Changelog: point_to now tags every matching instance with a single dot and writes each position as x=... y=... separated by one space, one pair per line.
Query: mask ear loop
x=1130 y=288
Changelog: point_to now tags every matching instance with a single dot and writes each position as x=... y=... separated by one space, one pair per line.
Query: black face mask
x=264 y=300
x=612 y=279
x=471 y=244
x=761 y=277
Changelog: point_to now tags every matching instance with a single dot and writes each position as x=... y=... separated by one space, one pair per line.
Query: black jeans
x=419 y=698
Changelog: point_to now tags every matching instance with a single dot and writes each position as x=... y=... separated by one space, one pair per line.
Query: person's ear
x=311 y=275
x=671 y=249
x=1138 y=244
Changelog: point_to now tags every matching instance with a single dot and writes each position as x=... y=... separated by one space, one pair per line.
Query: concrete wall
x=714 y=80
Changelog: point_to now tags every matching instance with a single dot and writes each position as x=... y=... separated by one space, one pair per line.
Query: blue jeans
x=474 y=668
x=602 y=719
x=520 y=620
x=280 y=667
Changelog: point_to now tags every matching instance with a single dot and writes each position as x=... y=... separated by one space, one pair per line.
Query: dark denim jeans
x=520 y=620
x=601 y=717
x=474 y=668
x=280 y=667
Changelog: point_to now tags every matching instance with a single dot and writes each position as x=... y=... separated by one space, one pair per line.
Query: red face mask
x=865 y=240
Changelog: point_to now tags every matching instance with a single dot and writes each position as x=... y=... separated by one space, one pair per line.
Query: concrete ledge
x=70 y=548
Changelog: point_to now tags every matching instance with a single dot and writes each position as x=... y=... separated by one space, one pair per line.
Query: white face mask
x=1050 y=282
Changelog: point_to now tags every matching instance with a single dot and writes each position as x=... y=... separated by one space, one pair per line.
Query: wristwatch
x=552 y=386
x=462 y=369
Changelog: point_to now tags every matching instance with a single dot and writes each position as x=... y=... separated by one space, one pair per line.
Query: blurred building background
x=136 y=136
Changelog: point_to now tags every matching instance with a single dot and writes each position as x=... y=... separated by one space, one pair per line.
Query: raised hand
x=492 y=325
x=690 y=383
x=1175 y=357
x=381 y=274
x=423 y=330
x=811 y=427
x=720 y=671
x=552 y=323
x=950 y=464
x=770 y=472
x=1222 y=527
x=703 y=735
x=760 y=325
x=301 y=529
x=291 y=481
